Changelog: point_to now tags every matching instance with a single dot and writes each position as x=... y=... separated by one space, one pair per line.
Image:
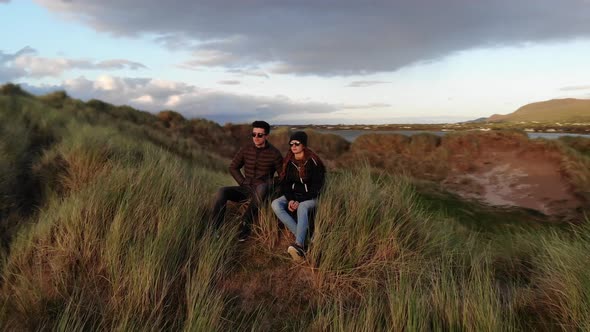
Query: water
x=351 y=134
x=555 y=135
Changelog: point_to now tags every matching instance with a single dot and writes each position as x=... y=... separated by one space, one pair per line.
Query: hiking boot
x=296 y=252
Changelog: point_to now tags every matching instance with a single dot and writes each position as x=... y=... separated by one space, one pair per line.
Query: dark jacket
x=259 y=164
x=300 y=189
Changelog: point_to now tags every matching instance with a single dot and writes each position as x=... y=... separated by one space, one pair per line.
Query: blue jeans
x=299 y=227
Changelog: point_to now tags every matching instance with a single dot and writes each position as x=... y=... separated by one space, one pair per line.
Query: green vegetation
x=555 y=110
x=580 y=144
x=108 y=214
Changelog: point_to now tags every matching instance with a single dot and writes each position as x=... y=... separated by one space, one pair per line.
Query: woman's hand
x=293 y=205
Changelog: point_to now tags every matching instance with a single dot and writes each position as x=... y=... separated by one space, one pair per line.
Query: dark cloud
x=333 y=37
x=8 y=72
x=27 y=50
x=27 y=63
x=364 y=84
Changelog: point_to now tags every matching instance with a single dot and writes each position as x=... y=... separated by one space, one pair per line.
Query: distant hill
x=555 y=110
x=478 y=120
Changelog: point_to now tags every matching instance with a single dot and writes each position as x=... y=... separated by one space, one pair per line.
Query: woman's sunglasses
x=295 y=143
x=259 y=135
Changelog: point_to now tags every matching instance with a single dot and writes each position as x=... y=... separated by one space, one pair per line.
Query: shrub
x=11 y=89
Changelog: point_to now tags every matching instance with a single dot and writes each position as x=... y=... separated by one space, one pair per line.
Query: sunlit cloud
x=27 y=63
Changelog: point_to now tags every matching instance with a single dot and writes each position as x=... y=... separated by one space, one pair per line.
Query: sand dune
x=515 y=177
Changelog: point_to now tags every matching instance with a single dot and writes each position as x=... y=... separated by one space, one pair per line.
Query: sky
x=301 y=61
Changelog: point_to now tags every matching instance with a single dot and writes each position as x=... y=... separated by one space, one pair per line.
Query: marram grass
x=120 y=240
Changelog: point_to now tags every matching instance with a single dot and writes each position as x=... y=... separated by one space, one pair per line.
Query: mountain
x=555 y=110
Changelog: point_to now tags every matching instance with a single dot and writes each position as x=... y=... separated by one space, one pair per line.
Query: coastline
x=351 y=134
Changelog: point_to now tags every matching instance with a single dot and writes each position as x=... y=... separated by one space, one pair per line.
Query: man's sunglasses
x=295 y=143
x=259 y=135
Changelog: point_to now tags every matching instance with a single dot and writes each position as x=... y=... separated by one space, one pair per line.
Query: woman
x=302 y=178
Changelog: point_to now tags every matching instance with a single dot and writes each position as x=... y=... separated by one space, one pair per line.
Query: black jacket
x=300 y=189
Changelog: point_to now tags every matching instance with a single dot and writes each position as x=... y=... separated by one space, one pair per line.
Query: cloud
x=121 y=90
x=40 y=89
x=229 y=82
x=364 y=84
x=575 y=88
x=174 y=41
x=345 y=37
x=207 y=58
x=4 y=1
x=119 y=64
x=8 y=72
x=194 y=102
x=364 y=106
x=41 y=67
x=256 y=72
x=191 y=101
x=27 y=63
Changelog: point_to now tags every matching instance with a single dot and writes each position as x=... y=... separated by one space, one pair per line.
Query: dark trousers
x=254 y=194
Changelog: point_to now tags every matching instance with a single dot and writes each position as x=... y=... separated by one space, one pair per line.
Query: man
x=260 y=161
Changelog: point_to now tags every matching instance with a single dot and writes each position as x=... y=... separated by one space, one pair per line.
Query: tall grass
x=121 y=243
x=21 y=141
x=382 y=261
x=389 y=264
x=120 y=240
x=127 y=248
x=575 y=161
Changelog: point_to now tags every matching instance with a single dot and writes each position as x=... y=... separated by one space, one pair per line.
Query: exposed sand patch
x=516 y=177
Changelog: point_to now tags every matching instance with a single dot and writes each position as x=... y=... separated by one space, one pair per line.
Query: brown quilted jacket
x=259 y=164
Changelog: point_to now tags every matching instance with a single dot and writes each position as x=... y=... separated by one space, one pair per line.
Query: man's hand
x=293 y=205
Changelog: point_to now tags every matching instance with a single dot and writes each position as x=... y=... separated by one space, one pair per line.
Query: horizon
x=305 y=124
x=302 y=63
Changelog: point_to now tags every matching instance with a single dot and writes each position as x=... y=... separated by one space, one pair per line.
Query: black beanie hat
x=300 y=136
